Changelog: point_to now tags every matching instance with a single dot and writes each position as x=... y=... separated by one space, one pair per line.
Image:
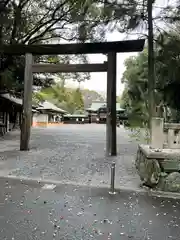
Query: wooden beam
x=112 y=68
x=111 y=148
x=75 y=48
x=27 y=104
x=108 y=118
x=66 y=68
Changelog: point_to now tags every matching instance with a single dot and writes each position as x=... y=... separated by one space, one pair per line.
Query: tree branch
x=40 y=24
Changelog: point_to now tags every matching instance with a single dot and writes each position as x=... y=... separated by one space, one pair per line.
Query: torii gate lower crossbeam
x=109 y=67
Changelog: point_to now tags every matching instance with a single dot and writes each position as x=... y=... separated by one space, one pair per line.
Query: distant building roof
x=96 y=105
x=76 y=115
x=50 y=107
x=12 y=98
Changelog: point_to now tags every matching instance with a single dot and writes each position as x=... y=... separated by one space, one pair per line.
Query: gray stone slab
x=159 y=153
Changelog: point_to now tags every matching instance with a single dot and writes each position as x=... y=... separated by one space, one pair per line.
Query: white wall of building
x=39 y=117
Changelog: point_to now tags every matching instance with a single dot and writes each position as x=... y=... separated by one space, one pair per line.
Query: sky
x=98 y=81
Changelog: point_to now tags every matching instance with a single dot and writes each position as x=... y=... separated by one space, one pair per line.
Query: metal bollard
x=112 y=190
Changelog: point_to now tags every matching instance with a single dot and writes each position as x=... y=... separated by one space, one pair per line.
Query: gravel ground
x=70 y=153
x=44 y=212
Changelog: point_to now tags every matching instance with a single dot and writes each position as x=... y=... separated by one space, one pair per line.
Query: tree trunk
x=151 y=69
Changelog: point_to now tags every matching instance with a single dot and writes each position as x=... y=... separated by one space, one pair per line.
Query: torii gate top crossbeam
x=75 y=48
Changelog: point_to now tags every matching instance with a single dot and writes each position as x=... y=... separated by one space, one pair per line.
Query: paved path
x=70 y=153
x=39 y=212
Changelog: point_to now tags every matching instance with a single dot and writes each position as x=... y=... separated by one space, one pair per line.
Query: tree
x=168 y=60
x=135 y=95
x=32 y=22
x=89 y=96
x=66 y=98
x=151 y=63
x=167 y=64
x=77 y=99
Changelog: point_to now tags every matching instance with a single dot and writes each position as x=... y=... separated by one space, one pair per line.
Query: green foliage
x=69 y=99
x=168 y=68
x=135 y=95
x=118 y=99
x=77 y=99
x=34 y=22
x=89 y=96
x=167 y=71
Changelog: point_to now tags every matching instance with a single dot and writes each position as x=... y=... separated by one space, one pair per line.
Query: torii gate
x=109 y=48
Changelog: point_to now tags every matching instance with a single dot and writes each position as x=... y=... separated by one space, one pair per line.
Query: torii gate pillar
x=27 y=104
x=111 y=148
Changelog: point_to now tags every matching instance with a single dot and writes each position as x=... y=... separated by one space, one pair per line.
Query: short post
x=112 y=189
x=157 y=134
